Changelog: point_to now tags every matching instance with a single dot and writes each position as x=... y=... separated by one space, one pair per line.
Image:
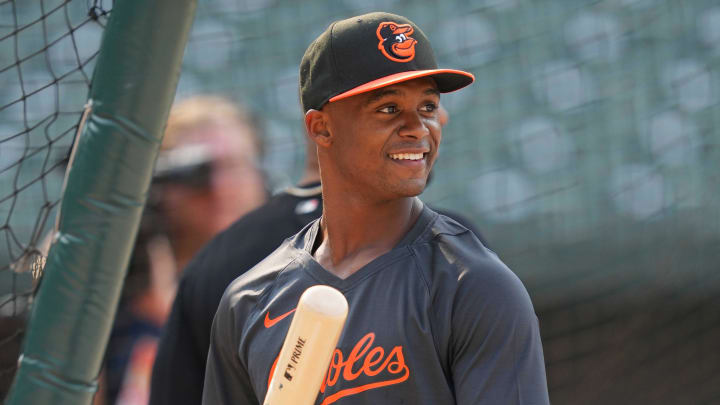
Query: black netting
x=47 y=53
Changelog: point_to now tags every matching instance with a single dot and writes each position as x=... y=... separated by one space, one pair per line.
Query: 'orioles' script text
x=388 y=367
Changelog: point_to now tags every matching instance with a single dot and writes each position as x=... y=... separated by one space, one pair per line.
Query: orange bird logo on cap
x=395 y=41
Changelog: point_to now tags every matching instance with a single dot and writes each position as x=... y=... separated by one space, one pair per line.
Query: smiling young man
x=435 y=317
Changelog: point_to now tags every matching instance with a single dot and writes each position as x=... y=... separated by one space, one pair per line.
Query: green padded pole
x=133 y=87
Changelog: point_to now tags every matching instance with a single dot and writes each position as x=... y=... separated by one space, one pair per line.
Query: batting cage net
x=47 y=54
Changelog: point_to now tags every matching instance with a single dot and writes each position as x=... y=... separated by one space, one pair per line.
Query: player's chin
x=411 y=187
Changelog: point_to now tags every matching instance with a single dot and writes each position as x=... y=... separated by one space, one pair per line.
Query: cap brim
x=447 y=80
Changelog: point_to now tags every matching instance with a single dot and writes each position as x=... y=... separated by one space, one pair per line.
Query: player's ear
x=316 y=126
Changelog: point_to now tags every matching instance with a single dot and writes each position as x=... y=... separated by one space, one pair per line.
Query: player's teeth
x=406 y=156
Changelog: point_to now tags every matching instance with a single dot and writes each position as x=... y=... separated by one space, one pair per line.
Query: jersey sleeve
x=178 y=371
x=496 y=350
x=226 y=379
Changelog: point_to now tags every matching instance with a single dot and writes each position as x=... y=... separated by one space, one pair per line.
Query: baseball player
x=179 y=368
x=435 y=317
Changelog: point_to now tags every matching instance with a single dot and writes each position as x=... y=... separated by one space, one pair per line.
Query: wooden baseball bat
x=305 y=355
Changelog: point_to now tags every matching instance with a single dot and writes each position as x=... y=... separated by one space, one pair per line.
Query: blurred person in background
x=207 y=174
x=13 y=327
x=206 y=177
x=179 y=371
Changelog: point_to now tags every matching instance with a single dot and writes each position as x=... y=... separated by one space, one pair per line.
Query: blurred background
x=587 y=153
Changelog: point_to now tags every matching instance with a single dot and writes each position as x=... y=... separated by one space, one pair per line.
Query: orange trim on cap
x=397 y=78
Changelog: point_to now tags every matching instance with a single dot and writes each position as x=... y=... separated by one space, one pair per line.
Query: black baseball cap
x=367 y=52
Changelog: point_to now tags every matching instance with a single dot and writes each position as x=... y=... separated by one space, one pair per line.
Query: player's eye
x=429 y=107
x=389 y=109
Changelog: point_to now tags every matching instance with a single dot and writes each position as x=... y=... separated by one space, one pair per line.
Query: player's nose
x=413 y=125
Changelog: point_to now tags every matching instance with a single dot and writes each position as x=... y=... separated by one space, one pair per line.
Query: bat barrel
x=324 y=300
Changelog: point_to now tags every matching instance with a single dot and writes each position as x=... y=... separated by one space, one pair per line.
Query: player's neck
x=354 y=231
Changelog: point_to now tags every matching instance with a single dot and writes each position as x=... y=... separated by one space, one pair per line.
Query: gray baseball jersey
x=439 y=319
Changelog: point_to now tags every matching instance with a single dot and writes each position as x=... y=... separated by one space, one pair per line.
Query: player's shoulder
x=446 y=232
x=452 y=255
x=262 y=277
